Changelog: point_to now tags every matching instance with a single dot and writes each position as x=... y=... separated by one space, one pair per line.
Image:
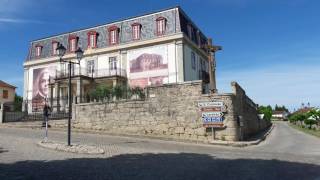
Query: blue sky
x=272 y=48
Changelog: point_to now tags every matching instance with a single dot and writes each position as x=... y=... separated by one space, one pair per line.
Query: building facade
x=153 y=49
x=7 y=94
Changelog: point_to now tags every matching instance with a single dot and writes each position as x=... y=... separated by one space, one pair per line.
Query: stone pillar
x=57 y=96
x=79 y=90
x=1 y=113
x=179 y=62
x=114 y=82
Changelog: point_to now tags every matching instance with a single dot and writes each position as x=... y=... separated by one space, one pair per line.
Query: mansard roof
x=177 y=20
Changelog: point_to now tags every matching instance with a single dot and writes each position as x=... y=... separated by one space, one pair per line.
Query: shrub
x=310 y=122
x=138 y=91
x=118 y=91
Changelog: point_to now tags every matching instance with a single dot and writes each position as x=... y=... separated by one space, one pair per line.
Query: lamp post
x=61 y=50
x=212 y=49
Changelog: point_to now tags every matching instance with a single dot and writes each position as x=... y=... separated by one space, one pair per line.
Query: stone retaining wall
x=170 y=111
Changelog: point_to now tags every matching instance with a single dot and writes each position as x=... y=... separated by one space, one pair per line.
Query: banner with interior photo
x=148 y=66
x=40 y=91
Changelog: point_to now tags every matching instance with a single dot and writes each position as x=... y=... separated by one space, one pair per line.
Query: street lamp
x=61 y=50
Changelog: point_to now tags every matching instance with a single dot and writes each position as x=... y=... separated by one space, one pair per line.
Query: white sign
x=210 y=104
x=212 y=114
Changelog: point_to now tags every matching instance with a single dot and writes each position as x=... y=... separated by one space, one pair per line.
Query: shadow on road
x=158 y=166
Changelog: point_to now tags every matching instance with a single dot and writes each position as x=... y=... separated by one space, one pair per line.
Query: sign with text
x=212 y=113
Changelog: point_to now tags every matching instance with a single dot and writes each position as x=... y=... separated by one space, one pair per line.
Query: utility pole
x=211 y=50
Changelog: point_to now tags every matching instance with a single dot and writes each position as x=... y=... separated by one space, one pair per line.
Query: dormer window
x=73 y=43
x=136 y=31
x=161 y=25
x=38 y=50
x=55 y=45
x=92 y=39
x=190 y=32
x=113 y=35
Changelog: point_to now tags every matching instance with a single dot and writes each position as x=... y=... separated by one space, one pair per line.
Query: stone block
x=179 y=130
x=200 y=131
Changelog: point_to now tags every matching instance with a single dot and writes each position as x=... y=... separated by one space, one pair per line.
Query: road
x=286 y=154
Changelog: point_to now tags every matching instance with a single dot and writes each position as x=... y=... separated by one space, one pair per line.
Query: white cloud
x=14 y=20
x=288 y=85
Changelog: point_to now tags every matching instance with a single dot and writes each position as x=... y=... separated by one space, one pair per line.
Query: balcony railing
x=99 y=73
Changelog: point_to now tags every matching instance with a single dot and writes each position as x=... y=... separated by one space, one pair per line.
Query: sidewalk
x=62 y=127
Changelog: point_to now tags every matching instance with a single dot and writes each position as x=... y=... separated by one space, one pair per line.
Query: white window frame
x=113 y=64
x=92 y=40
x=90 y=67
x=193 y=60
x=161 y=26
x=73 y=43
x=38 y=51
x=54 y=48
x=113 y=36
x=136 y=32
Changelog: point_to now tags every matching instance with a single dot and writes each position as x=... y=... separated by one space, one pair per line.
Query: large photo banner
x=148 y=66
x=40 y=91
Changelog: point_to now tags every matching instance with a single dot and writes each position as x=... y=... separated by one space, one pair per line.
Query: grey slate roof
x=177 y=22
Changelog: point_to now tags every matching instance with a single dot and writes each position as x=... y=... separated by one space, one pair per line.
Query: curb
x=220 y=143
x=75 y=148
x=244 y=143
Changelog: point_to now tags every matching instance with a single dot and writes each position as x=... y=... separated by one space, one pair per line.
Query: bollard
x=1 y=113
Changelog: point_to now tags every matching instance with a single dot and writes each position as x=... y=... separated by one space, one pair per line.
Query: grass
x=306 y=130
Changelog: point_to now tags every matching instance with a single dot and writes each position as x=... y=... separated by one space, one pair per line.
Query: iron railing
x=99 y=73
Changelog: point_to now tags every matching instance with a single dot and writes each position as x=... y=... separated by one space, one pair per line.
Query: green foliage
x=310 y=122
x=17 y=103
x=280 y=108
x=266 y=110
x=297 y=117
x=102 y=92
x=118 y=91
x=138 y=91
x=314 y=114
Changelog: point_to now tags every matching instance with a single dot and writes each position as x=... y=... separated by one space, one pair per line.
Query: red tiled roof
x=4 y=84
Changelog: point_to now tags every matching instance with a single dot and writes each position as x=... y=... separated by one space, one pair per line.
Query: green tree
x=266 y=110
x=280 y=108
x=18 y=100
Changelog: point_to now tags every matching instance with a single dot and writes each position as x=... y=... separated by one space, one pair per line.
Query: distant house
x=7 y=93
x=280 y=115
x=303 y=110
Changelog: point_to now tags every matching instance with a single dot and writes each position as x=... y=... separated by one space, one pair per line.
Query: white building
x=153 y=49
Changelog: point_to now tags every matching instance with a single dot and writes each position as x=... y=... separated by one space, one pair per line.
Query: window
x=193 y=60
x=190 y=31
x=54 y=47
x=73 y=43
x=161 y=25
x=5 y=94
x=92 y=39
x=113 y=35
x=38 y=50
x=136 y=31
x=90 y=67
x=113 y=63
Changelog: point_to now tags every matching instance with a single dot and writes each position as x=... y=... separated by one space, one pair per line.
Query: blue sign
x=208 y=119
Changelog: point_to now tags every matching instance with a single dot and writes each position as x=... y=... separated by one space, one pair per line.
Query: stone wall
x=170 y=111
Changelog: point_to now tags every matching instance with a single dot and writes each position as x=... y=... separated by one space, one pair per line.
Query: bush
x=138 y=91
x=267 y=111
x=310 y=122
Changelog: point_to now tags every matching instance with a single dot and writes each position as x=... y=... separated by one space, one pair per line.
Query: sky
x=270 y=47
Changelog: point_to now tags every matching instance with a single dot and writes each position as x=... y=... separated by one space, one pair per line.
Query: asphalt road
x=286 y=154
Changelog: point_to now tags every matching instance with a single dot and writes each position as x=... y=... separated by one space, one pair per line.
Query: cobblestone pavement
x=286 y=154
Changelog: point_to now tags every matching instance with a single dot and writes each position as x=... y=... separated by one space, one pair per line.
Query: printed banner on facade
x=40 y=91
x=148 y=66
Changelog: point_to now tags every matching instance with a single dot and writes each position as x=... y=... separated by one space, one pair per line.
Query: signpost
x=212 y=114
